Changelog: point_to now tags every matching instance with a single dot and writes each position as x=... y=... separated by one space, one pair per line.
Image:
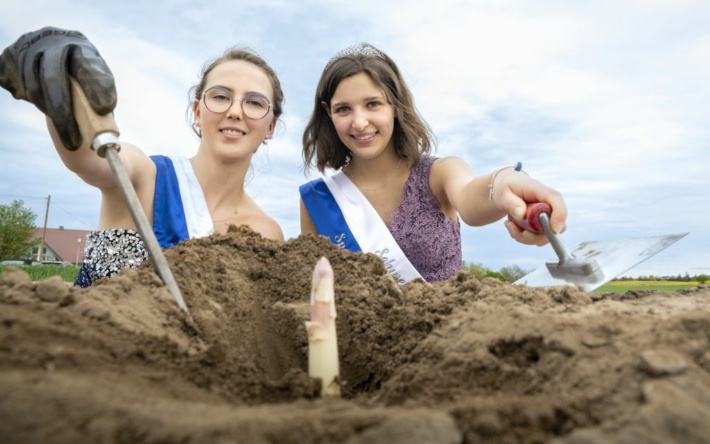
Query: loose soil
x=460 y=361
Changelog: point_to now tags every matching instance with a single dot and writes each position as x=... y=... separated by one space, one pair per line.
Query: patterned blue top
x=108 y=251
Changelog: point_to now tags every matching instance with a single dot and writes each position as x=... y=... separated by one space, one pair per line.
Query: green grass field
x=68 y=273
x=624 y=286
x=40 y=272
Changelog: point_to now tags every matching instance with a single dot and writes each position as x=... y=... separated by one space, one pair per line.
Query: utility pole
x=44 y=230
x=78 y=247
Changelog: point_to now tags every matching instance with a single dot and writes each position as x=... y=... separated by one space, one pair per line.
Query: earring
x=196 y=129
x=266 y=140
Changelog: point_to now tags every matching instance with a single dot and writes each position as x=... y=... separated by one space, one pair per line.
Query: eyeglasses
x=218 y=100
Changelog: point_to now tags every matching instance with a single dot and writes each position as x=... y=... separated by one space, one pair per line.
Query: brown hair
x=247 y=55
x=412 y=136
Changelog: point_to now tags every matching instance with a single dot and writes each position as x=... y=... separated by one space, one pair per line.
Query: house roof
x=64 y=242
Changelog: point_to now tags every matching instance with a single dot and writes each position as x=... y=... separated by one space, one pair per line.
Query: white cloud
x=606 y=101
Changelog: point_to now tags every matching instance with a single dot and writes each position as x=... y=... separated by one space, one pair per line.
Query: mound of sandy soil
x=461 y=361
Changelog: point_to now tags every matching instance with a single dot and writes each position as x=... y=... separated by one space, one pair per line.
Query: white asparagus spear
x=323 y=360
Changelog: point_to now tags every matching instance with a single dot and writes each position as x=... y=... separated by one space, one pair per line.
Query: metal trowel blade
x=612 y=258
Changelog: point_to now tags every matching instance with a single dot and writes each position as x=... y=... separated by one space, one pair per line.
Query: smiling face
x=231 y=133
x=362 y=116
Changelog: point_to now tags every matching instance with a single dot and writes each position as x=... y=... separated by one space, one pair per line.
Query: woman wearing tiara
x=388 y=195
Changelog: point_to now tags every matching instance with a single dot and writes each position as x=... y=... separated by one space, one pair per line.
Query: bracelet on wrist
x=517 y=167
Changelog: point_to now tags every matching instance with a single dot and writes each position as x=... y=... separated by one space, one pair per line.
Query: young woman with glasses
x=234 y=109
x=388 y=196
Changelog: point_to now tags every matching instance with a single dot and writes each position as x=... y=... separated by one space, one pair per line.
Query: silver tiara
x=361 y=49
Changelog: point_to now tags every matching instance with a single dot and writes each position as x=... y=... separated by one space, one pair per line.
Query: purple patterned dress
x=429 y=238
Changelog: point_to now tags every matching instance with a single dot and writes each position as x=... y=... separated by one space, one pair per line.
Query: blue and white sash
x=180 y=210
x=342 y=213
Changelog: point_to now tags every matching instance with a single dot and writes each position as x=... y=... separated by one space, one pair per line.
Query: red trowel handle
x=531 y=222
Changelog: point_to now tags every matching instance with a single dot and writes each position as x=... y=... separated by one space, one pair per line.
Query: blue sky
x=607 y=101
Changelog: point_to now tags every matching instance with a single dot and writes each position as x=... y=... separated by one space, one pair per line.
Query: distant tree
x=702 y=278
x=497 y=275
x=17 y=230
x=480 y=272
x=513 y=273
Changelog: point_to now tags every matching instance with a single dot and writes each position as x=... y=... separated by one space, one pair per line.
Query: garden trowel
x=103 y=133
x=591 y=264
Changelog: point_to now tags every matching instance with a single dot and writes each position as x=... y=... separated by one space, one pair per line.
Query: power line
x=72 y=215
x=54 y=205
x=23 y=197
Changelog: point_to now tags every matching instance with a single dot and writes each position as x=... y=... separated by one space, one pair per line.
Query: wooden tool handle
x=92 y=125
x=103 y=134
x=531 y=222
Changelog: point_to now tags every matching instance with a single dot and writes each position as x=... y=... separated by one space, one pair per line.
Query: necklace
x=375 y=188
x=226 y=221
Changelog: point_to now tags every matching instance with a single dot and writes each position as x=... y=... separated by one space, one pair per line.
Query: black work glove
x=36 y=68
